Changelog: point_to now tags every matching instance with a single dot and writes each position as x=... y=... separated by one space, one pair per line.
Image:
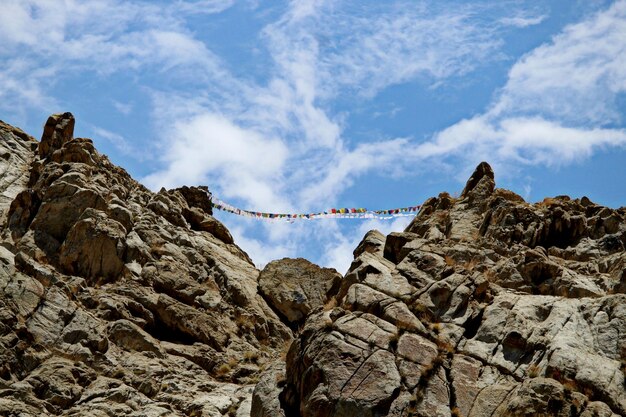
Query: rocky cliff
x=119 y=301
x=116 y=300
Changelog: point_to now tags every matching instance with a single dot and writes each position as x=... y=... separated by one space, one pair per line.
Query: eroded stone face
x=485 y=306
x=16 y=156
x=296 y=287
x=118 y=301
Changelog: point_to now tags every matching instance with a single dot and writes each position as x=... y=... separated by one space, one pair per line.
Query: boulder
x=16 y=156
x=94 y=247
x=58 y=130
x=295 y=287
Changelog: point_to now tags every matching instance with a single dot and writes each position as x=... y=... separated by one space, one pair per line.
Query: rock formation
x=296 y=287
x=485 y=306
x=118 y=301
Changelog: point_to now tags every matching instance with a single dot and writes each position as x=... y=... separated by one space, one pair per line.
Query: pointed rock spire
x=58 y=129
x=481 y=182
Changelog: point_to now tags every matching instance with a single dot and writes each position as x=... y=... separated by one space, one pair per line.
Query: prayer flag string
x=334 y=213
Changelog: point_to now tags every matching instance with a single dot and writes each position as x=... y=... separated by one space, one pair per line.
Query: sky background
x=305 y=105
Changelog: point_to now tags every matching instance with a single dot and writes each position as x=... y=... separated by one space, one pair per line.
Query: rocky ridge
x=119 y=301
x=116 y=300
x=484 y=306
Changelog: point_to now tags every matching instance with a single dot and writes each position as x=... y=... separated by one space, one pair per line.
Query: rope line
x=334 y=213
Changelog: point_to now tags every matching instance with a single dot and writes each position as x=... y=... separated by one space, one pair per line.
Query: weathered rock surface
x=295 y=287
x=16 y=156
x=485 y=306
x=118 y=301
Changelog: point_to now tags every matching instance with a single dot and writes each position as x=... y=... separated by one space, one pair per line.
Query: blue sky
x=304 y=105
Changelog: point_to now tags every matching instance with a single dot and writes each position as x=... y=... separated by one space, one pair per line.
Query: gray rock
x=265 y=398
x=118 y=301
x=485 y=305
x=111 y=303
x=295 y=287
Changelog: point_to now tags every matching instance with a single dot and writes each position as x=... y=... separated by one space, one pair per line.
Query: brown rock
x=265 y=398
x=60 y=382
x=197 y=197
x=295 y=287
x=128 y=335
x=110 y=303
x=58 y=130
x=514 y=308
x=22 y=212
x=372 y=242
x=118 y=301
x=216 y=228
x=16 y=155
x=94 y=247
x=481 y=182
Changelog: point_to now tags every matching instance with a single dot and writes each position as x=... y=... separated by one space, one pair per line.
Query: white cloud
x=279 y=144
x=347 y=165
x=43 y=42
x=527 y=190
x=124 y=108
x=577 y=76
x=120 y=143
x=319 y=52
x=18 y=92
x=556 y=104
x=522 y=140
x=325 y=48
x=204 y=6
x=390 y=47
x=404 y=43
x=523 y=20
x=262 y=251
x=243 y=162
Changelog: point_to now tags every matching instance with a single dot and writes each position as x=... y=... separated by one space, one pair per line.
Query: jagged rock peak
x=485 y=306
x=58 y=130
x=118 y=301
x=482 y=178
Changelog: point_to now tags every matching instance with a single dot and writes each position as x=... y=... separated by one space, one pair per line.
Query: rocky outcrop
x=295 y=287
x=16 y=156
x=485 y=306
x=116 y=300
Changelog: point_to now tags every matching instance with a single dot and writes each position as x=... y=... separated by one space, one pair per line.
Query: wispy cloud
x=523 y=20
x=391 y=46
x=403 y=43
x=57 y=40
x=203 y=6
x=320 y=52
x=558 y=103
x=574 y=78
x=124 y=108
x=519 y=140
x=117 y=140
x=243 y=162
